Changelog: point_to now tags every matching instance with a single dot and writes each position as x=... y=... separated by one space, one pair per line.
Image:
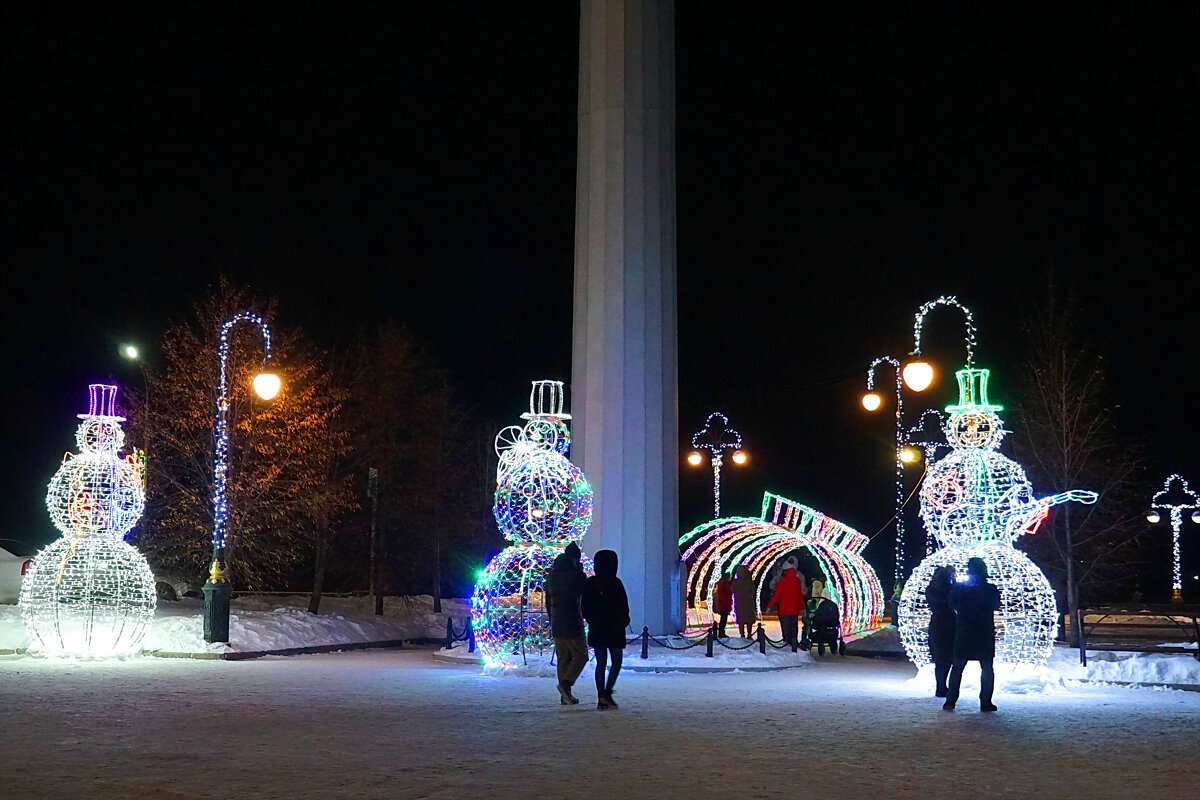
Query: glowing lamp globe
x=741 y=457
x=1153 y=517
x=130 y=352
x=1196 y=517
x=908 y=455
x=871 y=401
x=266 y=385
x=694 y=458
x=917 y=375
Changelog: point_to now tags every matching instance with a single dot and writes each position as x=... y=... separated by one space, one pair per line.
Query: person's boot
x=948 y=705
x=565 y=696
x=987 y=706
x=606 y=700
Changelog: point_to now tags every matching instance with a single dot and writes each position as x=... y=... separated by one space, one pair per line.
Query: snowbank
x=1064 y=666
x=278 y=623
x=662 y=659
x=1127 y=667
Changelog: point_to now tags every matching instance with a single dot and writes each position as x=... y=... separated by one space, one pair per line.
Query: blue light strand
x=221 y=455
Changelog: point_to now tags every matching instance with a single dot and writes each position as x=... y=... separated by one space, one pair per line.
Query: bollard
x=708 y=641
x=762 y=639
x=449 y=632
x=470 y=637
x=645 y=642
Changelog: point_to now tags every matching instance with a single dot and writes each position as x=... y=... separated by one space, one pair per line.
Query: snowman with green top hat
x=977 y=502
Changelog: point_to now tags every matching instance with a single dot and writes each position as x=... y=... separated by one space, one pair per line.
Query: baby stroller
x=824 y=626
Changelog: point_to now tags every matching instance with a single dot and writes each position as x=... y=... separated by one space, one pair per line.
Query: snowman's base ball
x=88 y=597
x=508 y=609
x=1028 y=617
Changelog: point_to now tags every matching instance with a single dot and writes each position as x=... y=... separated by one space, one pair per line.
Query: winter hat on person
x=605 y=562
x=573 y=552
x=977 y=566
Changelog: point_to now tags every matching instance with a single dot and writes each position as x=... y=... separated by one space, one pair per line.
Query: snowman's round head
x=100 y=435
x=974 y=429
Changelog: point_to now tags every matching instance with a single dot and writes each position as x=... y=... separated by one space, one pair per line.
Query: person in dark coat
x=564 y=595
x=745 y=601
x=606 y=609
x=974 y=603
x=722 y=603
x=941 y=625
x=789 y=596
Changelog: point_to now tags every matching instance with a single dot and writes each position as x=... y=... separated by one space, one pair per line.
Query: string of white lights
x=946 y=300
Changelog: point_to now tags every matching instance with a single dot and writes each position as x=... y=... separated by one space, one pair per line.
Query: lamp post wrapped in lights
x=716 y=440
x=1185 y=498
x=218 y=589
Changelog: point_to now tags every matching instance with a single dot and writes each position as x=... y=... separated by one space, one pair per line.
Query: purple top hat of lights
x=102 y=403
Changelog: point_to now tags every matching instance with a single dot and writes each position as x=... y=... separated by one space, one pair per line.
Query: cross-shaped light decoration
x=716 y=437
x=1185 y=498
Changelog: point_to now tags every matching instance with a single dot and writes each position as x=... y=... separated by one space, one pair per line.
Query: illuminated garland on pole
x=946 y=300
x=90 y=593
x=542 y=503
x=1160 y=502
x=716 y=441
x=978 y=502
x=217 y=589
x=871 y=402
x=756 y=543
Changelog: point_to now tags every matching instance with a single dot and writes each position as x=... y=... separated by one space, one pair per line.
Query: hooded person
x=975 y=603
x=745 y=601
x=789 y=596
x=564 y=595
x=941 y=625
x=722 y=602
x=606 y=609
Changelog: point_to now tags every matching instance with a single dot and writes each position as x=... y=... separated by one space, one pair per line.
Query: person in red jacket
x=722 y=602
x=789 y=596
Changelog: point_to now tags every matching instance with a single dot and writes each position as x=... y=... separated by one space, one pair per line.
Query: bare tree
x=1068 y=438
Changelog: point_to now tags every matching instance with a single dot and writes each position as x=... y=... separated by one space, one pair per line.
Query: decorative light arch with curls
x=784 y=525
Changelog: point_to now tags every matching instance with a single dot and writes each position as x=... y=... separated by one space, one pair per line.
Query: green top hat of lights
x=972 y=392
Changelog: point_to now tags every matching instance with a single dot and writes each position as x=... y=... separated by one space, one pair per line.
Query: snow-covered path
x=399 y=725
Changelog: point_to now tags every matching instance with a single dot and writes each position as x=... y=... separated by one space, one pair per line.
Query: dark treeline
x=297 y=488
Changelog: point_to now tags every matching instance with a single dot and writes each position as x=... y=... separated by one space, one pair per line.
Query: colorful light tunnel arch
x=785 y=525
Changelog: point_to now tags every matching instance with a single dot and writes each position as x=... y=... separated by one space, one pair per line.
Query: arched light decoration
x=716 y=547
x=977 y=502
x=1184 y=498
x=919 y=323
x=90 y=594
x=542 y=503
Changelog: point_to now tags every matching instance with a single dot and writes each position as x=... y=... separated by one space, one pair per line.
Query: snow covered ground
x=279 y=622
x=396 y=724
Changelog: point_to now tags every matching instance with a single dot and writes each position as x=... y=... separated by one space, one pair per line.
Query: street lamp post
x=716 y=441
x=1186 y=499
x=871 y=402
x=218 y=589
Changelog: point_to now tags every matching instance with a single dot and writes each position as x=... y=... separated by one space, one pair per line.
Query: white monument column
x=623 y=377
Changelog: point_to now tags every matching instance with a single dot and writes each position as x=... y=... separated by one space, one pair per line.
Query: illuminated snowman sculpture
x=543 y=502
x=90 y=594
x=977 y=502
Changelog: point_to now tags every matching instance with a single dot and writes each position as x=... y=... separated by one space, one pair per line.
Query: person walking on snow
x=564 y=594
x=722 y=603
x=789 y=596
x=606 y=609
x=941 y=625
x=745 y=600
x=974 y=603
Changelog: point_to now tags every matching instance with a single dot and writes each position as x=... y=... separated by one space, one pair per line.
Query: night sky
x=416 y=162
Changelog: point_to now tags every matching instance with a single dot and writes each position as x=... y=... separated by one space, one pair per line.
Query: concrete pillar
x=623 y=376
